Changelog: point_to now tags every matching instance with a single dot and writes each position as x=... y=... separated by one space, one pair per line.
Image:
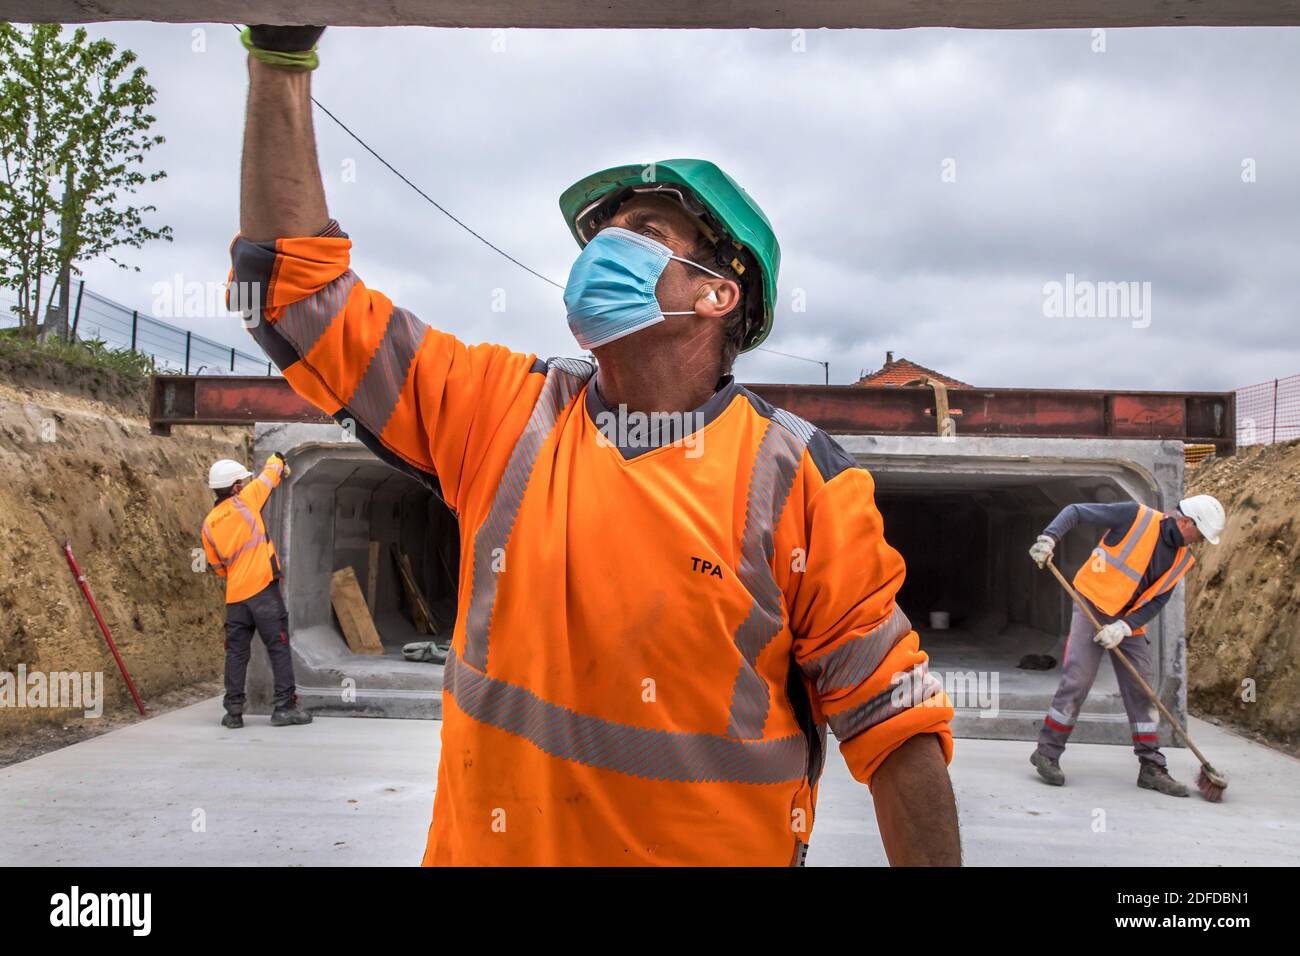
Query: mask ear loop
x=701 y=268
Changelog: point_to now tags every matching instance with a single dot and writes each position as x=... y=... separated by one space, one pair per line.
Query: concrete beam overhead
x=807 y=14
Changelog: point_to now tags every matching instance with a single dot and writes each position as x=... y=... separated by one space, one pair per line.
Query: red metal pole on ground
x=85 y=589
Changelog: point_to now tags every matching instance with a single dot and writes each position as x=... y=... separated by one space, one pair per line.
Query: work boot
x=293 y=714
x=1049 y=768
x=1154 y=777
x=233 y=721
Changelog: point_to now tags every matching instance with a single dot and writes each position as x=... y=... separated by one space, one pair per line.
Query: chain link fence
x=172 y=349
x=1269 y=412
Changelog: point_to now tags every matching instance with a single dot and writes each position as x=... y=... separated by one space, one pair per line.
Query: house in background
x=905 y=372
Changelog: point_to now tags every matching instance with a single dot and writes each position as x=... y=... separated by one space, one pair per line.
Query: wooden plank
x=420 y=615
x=423 y=619
x=372 y=576
x=354 y=617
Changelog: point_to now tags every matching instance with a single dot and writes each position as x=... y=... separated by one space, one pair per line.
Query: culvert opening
x=348 y=511
x=962 y=513
x=965 y=538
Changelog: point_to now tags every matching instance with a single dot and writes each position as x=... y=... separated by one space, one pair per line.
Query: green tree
x=74 y=131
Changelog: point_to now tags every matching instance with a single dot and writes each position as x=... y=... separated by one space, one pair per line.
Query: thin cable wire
x=430 y=199
x=788 y=355
x=442 y=209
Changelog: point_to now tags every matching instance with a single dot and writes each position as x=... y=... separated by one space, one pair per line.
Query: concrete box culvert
x=338 y=498
x=963 y=512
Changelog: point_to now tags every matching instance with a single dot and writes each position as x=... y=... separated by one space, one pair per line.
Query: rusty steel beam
x=1192 y=417
x=224 y=400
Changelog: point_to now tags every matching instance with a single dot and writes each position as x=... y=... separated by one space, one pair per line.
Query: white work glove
x=1042 y=549
x=1110 y=635
x=284 y=465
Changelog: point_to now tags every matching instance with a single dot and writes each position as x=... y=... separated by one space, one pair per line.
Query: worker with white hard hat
x=239 y=550
x=1130 y=576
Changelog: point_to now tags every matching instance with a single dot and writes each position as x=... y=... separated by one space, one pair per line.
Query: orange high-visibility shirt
x=235 y=541
x=649 y=644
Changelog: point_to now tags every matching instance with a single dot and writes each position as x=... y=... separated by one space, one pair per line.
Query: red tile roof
x=901 y=371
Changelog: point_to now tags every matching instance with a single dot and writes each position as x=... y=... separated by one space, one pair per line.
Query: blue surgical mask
x=611 y=288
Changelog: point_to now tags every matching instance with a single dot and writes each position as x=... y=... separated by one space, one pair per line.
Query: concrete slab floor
x=354 y=791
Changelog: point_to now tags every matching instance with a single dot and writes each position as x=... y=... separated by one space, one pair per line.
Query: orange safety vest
x=1110 y=578
x=649 y=645
x=235 y=540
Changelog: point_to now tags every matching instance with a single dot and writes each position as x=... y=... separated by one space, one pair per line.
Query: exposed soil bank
x=131 y=504
x=1243 y=597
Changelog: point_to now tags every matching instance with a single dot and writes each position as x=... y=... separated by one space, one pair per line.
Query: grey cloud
x=1116 y=166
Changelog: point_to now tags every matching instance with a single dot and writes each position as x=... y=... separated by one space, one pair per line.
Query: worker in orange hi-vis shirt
x=239 y=550
x=669 y=588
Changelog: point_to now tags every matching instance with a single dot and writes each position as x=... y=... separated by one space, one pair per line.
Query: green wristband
x=300 y=61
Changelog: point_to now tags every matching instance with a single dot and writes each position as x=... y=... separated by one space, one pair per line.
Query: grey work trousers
x=266 y=614
x=1078 y=671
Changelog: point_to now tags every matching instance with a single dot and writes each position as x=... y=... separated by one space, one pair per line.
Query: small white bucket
x=939 y=620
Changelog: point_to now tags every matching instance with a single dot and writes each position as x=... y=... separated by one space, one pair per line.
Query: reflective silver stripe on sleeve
x=849 y=664
x=775 y=465
x=674 y=756
x=911 y=688
x=564 y=379
x=305 y=321
x=376 y=395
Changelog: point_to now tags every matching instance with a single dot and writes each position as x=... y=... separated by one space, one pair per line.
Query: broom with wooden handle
x=1209 y=781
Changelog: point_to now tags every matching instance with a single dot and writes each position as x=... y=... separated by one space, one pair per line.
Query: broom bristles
x=1211 y=784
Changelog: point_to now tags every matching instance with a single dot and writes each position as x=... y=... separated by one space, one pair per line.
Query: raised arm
x=417 y=397
x=281 y=193
x=255 y=493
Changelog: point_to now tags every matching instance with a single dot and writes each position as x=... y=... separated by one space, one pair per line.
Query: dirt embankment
x=131 y=504
x=37 y=373
x=1243 y=597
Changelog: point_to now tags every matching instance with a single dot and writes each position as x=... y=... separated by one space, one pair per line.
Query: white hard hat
x=226 y=472
x=1208 y=514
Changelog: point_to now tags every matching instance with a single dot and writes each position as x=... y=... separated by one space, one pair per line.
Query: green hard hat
x=742 y=234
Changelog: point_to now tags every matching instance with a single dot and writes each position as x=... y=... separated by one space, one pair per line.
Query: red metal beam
x=225 y=400
x=1193 y=417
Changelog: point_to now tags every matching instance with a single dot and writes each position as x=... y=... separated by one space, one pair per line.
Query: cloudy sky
x=926 y=186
